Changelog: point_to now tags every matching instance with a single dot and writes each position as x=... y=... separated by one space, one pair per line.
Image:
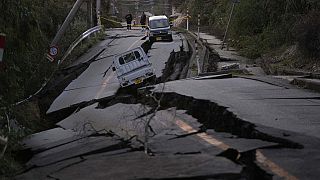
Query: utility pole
x=2 y=46
x=230 y=17
x=67 y=22
x=98 y=11
x=137 y=9
x=152 y=6
x=199 y=26
x=90 y=13
x=187 y=19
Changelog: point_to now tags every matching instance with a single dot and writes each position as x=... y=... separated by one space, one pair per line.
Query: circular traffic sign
x=53 y=51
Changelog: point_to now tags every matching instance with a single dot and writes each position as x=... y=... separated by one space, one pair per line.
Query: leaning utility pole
x=90 y=13
x=67 y=22
x=230 y=17
x=98 y=11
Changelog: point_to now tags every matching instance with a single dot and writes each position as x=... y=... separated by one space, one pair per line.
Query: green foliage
x=259 y=26
x=249 y=18
x=8 y=164
x=29 y=25
x=307 y=33
x=201 y=7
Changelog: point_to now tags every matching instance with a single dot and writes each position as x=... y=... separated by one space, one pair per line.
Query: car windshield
x=129 y=57
x=159 y=23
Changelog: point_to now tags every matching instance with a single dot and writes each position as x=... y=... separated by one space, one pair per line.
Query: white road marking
x=260 y=158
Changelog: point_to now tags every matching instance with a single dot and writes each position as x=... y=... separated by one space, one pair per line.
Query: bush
x=30 y=25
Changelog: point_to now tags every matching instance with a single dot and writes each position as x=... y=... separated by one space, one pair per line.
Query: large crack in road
x=213 y=116
x=210 y=115
x=174 y=69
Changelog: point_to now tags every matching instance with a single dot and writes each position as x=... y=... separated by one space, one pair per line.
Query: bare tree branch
x=147 y=125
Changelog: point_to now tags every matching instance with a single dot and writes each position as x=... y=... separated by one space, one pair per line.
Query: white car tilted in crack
x=133 y=67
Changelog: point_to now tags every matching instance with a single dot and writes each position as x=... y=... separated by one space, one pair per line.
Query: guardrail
x=200 y=57
x=78 y=40
x=68 y=52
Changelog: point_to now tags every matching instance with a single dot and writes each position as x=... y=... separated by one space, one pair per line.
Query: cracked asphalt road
x=92 y=85
x=230 y=128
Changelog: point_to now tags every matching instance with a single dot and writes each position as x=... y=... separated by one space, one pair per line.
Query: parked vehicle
x=133 y=67
x=159 y=28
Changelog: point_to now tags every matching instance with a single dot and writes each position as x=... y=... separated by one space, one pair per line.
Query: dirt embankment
x=289 y=61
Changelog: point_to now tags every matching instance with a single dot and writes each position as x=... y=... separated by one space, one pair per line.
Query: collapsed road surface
x=200 y=128
x=96 y=83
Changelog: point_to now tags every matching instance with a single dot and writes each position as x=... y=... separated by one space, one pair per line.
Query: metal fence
x=80 y=39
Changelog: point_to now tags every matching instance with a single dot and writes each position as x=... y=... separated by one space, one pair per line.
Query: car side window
x=133 y=55
x=137 y=54
x=121 y=61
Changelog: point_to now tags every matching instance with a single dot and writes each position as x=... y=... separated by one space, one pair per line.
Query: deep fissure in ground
x=175 y=69
x=210 y=114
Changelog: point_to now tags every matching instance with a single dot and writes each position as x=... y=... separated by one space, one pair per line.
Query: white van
x=159 y=28
x=133 y=67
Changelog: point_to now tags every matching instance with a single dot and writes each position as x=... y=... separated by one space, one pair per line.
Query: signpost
x=2 y=45
x=53 y=51
x=49 y=57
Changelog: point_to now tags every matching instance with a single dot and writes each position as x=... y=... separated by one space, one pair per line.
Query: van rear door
x=131 y=61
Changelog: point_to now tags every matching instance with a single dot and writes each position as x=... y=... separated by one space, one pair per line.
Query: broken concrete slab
x=230 y=66
x=160 y=53
x=210 y=39
x=225 y=54
x=288 y=78
x=233 y=141
x=302 y=163
x=81 y=147
x=177 y=142
x=143 y=166
x=255 y=102
x=313 y=84
x=92 y=84
x=241 y=144
x=125 y=120
x=92 y=52
x=45 y=172
x=119 y=118
x=48 y=139
x=256 y=71
x=96 y=83
x=219 y=76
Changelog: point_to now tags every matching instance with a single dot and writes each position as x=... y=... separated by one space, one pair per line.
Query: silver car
x=159 y=29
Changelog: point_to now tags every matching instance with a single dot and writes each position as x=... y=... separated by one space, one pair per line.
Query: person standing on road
x=143 y=21
x=129 y=21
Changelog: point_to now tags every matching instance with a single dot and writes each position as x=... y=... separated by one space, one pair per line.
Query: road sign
x=2 y=45
x=49 y=57
x=53 y=51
